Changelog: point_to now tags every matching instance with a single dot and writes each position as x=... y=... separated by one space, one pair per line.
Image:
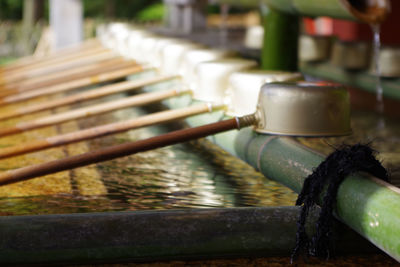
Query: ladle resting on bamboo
x=270 y=100
x=89 y=111
x=107 y=129
x=74 y=84
x=65 y=75
x=84 y=96
x=58 y=55
x=117 y=151
x=47 y=68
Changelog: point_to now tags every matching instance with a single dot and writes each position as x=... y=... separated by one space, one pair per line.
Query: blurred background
x=23 y=21
x=24 y=24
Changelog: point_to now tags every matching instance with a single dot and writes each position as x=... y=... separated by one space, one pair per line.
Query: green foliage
x=120 y=9
x=94 y=8
x=11 y=9
x=152 y=13
x=123 y=9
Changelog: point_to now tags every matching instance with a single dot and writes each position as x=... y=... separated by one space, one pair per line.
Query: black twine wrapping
x=341 y=163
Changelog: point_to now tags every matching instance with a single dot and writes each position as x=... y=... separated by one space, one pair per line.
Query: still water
x=192 y=175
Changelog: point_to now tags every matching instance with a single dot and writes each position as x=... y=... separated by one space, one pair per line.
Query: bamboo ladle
x=66 y=75
x=107 y=129
x=313 y=107
x=84 y=96
x=63 y=52
x=205 y=54
x=243 y=84
x=90 y=59
x=89 y=111
x=59 y=55
x=74 y=84
x=45 y=68
x=222 y=69
x=55 y=60
x=202 y=55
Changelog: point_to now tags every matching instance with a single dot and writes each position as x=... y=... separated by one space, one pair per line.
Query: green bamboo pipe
x=158 y=235
x=366 y=11
x=281 y=25
x=280 y=47
x=359 y=79
x=242 y=3
x=366 y=204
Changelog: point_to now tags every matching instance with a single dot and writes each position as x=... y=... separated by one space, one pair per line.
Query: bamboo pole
x=45 y=69
x=56 y=60
x=67 y=75
x=25 y=63
x=89 y=111
x=279 y=51
x=62 y=67
x=108 y=68
x=117 y=151
x=84 y=96
x=72 y=85
x=107 y=129
x=86 y=45
x=372 y=12
x=366 y=204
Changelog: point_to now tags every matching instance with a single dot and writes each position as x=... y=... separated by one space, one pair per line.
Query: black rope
x=341 y=163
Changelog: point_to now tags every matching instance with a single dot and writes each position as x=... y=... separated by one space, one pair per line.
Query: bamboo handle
x=103 y=130
x=116 y=151
x=67 y=75
x=65 y=81
x=64 y=52
x=137 y=100
x=33 y=63
x=43 y=61
x=35 y=72
x=90 y=95
x=72 y=85
x=46 y=67
x=60 y=60
x=69 y=65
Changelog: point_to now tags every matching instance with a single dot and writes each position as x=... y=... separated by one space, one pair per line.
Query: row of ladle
x=218 y=78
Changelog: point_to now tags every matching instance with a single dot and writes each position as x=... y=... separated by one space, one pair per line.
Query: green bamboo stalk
x=366 y=204
x=330 y=8
x=280 y=47
x=340 y=9
x=157 y=235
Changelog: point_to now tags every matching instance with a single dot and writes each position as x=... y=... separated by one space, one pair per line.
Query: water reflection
x=192 y=175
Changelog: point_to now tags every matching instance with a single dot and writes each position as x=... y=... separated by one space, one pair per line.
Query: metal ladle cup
x=303 y=109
